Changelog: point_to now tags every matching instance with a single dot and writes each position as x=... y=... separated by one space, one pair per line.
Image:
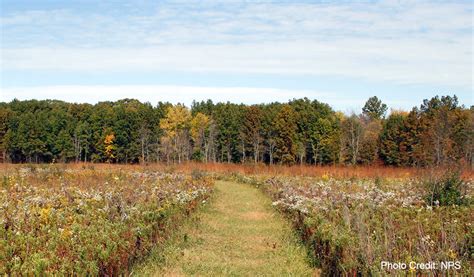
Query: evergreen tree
x=199 y=127
x=374 y=108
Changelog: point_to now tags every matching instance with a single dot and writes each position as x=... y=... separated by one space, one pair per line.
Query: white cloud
x=402 y=42
x=154 y=94
x=381 y=60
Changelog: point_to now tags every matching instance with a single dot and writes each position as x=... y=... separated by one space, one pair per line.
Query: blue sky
x=339 y=52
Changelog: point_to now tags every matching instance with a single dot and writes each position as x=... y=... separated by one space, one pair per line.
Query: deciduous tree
x=252 y=130
x=285 y=140
x=176 y=125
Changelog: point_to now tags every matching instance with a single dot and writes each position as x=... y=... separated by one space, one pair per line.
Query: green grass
x=237 y=234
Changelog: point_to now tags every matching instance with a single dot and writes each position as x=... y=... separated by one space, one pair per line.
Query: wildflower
x=45 y=214
x=452 y=254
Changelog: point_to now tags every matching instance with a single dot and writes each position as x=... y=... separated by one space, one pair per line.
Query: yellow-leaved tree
x=175 y=125
x=110 y=147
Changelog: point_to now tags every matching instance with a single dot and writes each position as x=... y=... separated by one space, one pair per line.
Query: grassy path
x=237 y=234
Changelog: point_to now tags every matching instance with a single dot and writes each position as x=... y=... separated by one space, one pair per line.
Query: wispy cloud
x=381 y=60
x=397 y=41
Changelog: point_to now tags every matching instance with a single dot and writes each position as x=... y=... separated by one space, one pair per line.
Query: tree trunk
x=243 y=151
x=255 y=152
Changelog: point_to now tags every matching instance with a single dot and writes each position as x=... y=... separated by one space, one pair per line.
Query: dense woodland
x=439 y=132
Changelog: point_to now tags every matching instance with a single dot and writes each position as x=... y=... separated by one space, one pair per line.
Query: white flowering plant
x=89 y=222
x=351 y=225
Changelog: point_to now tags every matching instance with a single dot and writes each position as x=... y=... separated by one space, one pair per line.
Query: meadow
x=351 y=225
x=87 y=220
x=103 y=219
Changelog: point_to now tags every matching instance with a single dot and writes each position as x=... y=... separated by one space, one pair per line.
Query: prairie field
x=87 y=221
x=102 y=219
x=351 y=225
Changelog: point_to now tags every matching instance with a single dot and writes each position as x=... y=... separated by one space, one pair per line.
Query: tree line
x=301 y=131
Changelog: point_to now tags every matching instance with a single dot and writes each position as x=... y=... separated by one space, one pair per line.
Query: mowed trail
x=237 y=234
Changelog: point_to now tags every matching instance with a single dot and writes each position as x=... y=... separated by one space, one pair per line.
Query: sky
x=338 y=52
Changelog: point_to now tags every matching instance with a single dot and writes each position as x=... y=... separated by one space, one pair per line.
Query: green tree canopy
x=374 y=108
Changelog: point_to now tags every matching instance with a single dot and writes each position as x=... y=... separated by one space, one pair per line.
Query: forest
x=302 y=131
